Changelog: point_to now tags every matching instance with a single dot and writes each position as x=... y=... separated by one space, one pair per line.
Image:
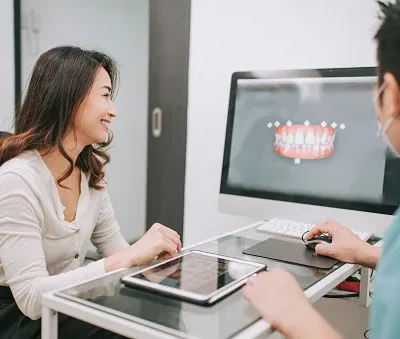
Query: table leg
x=49 y=323
x=365 y=287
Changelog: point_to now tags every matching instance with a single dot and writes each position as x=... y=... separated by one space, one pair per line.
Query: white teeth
x=307 y=140
x=310 y=138
x=299 y=138
x=324 y=138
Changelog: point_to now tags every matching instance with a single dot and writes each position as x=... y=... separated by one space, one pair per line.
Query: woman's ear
x=392 y=95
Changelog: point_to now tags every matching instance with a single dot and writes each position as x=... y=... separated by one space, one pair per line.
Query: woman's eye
x=107 y=95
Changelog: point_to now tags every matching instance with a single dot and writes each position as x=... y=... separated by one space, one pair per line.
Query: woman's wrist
x=117 y=261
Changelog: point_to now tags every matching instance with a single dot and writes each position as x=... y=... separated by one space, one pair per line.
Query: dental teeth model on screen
x=304 y=141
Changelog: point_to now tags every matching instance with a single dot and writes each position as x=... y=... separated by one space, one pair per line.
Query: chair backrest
x=4 y=134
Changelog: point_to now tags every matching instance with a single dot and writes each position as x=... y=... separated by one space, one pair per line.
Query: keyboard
x=295 y=229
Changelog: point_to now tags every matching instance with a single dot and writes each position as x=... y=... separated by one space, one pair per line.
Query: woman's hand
x=157 y=240
x=279 y=299
x=346 y=246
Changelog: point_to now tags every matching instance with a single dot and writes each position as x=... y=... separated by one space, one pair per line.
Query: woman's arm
x=21 y=249
x=108 y=239
x=23 y=257
x=107 y=236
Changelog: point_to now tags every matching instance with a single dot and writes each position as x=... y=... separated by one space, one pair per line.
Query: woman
x=53 y=197
x=283 y=303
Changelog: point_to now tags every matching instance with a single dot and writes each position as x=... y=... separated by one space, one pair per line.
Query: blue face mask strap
x=382 y=129
x=386 y=125
x=375 y=98
x=381 y=88
x=379 y=93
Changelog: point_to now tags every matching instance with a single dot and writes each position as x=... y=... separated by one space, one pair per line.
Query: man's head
x=388 y=88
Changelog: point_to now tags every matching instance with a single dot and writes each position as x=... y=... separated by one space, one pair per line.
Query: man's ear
x=392 y=94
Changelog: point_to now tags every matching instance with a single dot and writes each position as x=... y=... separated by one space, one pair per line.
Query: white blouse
x=39 y=250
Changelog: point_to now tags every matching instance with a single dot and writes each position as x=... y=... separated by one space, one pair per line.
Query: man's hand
x=346 y=246
x=278 y=298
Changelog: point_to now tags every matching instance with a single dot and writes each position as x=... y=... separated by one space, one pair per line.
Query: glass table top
x=182 y=319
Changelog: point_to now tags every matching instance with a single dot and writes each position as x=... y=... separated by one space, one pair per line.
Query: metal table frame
x=52 y=304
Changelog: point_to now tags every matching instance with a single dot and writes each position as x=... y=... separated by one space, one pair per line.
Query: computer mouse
x=322 y=239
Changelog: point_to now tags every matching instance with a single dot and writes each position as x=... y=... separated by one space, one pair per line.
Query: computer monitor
x=303 y=145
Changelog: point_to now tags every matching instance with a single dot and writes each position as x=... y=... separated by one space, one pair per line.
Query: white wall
x=6 y=64
x=120 y=29
x=234 y=35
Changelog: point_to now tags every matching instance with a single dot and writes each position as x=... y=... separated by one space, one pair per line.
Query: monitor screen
x=309 y=136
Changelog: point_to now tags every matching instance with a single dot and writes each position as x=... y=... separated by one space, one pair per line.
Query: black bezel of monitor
x=294 y=198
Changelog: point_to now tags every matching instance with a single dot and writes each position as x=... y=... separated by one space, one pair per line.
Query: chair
x=4 y=134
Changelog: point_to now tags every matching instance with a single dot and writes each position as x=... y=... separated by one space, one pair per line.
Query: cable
x=302 y=236
x=352 y=279
x=339 y=296
x=365 y=333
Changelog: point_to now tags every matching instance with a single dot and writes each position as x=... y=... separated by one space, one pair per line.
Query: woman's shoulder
x=26 y=166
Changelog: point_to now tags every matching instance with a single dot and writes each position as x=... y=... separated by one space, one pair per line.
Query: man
x=283 y=303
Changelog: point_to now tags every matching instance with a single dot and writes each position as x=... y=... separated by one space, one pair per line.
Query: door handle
x=156 y=122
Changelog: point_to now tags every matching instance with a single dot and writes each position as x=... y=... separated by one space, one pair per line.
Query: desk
x=106 y=303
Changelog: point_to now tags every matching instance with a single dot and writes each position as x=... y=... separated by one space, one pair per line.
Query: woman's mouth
x=105 y=123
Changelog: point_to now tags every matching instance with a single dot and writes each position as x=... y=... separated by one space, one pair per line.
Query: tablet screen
x=197 y=273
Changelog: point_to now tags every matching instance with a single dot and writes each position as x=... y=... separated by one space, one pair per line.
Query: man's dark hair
x=388 y=40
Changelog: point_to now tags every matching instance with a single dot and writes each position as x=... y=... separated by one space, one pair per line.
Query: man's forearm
x=312 y=326
x=369 y=255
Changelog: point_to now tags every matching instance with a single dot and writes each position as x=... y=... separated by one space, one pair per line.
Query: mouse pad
x=291 y=252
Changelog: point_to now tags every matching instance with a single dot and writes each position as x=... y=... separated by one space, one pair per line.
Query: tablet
x=195 y=276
